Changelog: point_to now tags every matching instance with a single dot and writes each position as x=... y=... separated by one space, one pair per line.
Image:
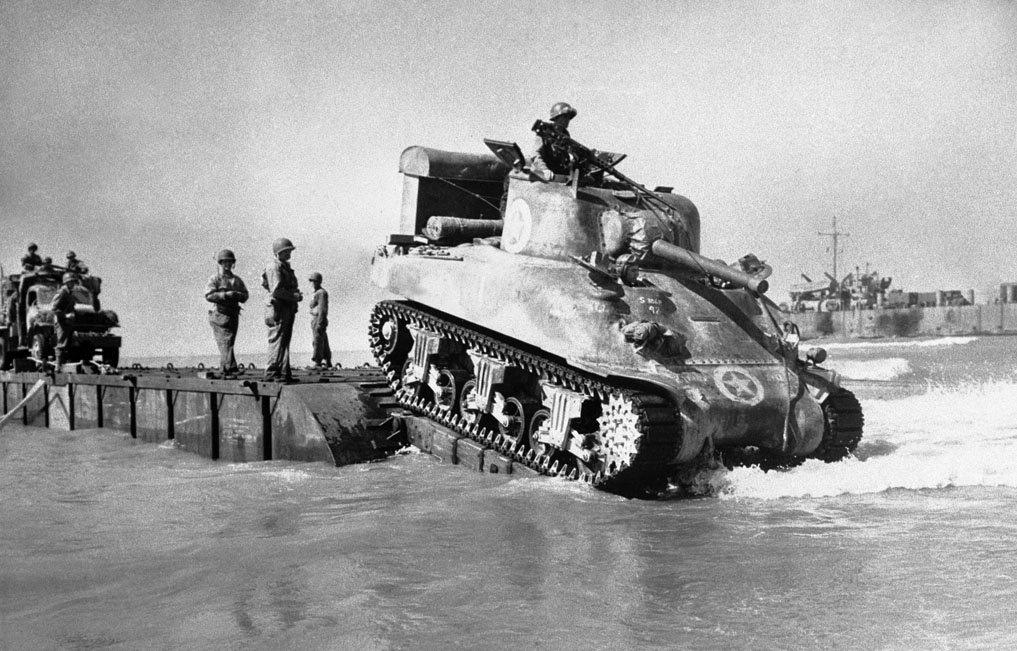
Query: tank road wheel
x=843 y=429
x=468 y=407
x=512 y=415
x=40 y=349
x=538 y=420
x=446 y=389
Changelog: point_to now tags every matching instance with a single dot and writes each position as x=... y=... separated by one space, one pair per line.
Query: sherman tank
x=575 y=326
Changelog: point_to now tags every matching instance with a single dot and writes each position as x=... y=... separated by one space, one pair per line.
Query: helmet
x=562 y=108
x=32 y=246
x=282 y=244
x=47 y=260
x=71 y=255
x=315 y=277
x=225 y=254
x=70 y=275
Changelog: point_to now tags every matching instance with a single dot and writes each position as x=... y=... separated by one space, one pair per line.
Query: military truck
x=27 y=325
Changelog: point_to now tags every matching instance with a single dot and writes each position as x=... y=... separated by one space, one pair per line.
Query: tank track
x=640 y=431
x=843 y=431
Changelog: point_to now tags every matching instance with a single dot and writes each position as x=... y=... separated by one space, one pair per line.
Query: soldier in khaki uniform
x=31 y=260
x=280 y=309
x=322 y=355
x=226 y=291
x=549 y=158
x=62 y=307
x=74 y=265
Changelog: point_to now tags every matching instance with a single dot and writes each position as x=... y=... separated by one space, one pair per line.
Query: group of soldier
x=226 y=291
x=62 y=305
x=33 y=262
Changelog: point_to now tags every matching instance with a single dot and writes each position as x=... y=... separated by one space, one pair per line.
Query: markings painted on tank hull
x=738 y=385
x=518 y=227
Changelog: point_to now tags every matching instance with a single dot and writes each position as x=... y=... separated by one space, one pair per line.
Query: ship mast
x=835 y=235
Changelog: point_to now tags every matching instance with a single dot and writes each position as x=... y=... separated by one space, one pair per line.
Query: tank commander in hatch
x=280 y=309
x=550 y=157
x=62 y=307
x=322 y=352
x=31 y=260
x=226 y=291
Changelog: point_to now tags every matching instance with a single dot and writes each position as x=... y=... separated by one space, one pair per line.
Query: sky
x=147 y=136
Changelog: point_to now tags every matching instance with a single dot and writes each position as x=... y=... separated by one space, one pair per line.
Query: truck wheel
x=40 y=349
x=111 y=356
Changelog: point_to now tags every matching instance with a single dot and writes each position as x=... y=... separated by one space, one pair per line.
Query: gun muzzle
x=685 y=258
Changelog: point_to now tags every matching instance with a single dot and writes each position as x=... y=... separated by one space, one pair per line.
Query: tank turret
x=576 y=326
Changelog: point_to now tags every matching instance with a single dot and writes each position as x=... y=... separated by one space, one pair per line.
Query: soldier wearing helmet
x=280 y=309
x=31 y=260
x=322 y=352
x=549 y=157
x=62 y=307
x=226 y=291
x=75 y=265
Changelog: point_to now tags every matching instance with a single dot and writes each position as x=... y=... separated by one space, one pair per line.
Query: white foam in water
x=898 y=343
x=877 y=369
x=288 y=475
x=961 y=436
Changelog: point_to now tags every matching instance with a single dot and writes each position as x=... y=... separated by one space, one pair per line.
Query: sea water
x=108 y=543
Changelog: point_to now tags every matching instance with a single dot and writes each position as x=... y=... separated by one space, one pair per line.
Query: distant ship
x=862 y=305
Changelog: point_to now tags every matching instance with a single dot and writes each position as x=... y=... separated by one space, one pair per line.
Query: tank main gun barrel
x=696 y=262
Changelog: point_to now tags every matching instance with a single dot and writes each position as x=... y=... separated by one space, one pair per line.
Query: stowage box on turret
x=575 y=326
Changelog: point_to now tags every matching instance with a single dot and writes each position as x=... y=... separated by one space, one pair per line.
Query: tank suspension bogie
x=566 y=408
x=488 y=371
x=433 y=368
x=428 y=348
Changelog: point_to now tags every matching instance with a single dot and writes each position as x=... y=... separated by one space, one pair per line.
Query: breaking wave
x=879 y=369
x=947 y=437
x=900 y=343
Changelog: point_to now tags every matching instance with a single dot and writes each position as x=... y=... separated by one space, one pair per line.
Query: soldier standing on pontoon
x=280 y=309
x=226 y=291
x=322 y=355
